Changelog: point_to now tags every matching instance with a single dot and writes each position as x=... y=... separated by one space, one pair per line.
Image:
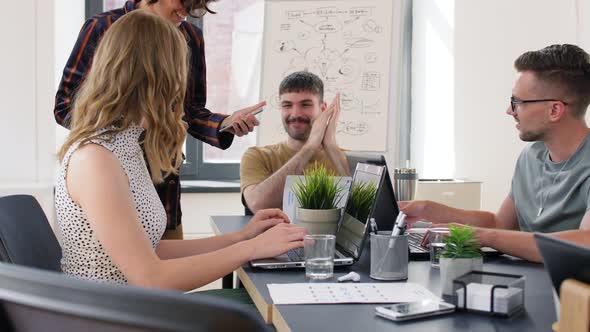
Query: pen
x=400 y=224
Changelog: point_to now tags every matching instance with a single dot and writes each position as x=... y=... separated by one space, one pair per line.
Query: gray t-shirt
x=561 y=188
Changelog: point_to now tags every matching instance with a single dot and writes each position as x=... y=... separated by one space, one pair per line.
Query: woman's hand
x=277 y=241
x=263 y=220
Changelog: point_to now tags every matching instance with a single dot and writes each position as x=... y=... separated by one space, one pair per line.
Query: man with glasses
x=550 y=190
x=202 y=123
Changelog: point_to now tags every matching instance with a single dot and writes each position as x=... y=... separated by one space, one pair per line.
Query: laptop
x=563 y=259
x=352 y=227
x=387 y=210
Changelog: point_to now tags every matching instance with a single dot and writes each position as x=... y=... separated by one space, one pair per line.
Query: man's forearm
x=338 y=158
x=269 y=193
x=514 y=243
x=523 y=245
x=446 y=214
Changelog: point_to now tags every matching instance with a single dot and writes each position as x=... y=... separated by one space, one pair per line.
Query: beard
x=295 y=134
x=531 y=136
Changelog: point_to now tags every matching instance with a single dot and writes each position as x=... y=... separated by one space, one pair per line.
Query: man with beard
x=551 y=183
x=311 y=129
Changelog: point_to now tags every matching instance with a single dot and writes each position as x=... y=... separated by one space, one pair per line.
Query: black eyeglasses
x=515 y=102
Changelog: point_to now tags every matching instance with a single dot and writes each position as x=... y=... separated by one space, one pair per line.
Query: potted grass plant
x=460 y=256
x=318 y=194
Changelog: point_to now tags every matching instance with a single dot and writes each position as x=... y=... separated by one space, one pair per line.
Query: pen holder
x=389 y=256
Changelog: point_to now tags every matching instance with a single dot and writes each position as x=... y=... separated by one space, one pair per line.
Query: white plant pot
x=451 y=268
x=318 y=221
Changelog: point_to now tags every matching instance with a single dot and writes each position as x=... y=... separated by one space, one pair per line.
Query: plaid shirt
x=203 y=124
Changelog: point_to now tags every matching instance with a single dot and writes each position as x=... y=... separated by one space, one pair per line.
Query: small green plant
x=461 y=243
x=320 y=190
x=361 y=200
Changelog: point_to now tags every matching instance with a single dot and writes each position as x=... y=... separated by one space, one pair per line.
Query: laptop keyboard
x=296 y=255
x=415 y=243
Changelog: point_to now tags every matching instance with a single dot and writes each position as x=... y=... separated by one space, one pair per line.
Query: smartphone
x=230 y=125
x=413 y=310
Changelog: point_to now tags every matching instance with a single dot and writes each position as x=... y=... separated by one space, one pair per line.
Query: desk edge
x=264 y=308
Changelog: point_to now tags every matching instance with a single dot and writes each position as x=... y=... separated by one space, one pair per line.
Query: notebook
x=352 y=227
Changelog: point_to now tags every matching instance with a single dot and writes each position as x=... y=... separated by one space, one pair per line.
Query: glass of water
x=319 y=255
x=436 y=238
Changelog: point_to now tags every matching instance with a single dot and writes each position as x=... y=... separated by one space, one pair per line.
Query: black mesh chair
x=26 y=237
x=37 y=300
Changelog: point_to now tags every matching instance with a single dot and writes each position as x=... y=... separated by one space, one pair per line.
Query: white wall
x=433 y=109
x=487 y=37
x=196 y=209
x=26 y=91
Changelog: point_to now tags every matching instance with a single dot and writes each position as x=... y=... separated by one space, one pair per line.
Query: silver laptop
x=352 y=226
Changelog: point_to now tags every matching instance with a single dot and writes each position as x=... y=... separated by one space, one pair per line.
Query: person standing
x=202 y=123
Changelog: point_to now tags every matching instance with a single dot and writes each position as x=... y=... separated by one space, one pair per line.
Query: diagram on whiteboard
x=348 y=46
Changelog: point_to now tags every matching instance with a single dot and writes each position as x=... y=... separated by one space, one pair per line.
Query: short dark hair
x=303 y=81
x=564 y=67
x=191 y=5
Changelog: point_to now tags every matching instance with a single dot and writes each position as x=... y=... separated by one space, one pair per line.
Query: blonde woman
x=108 y=210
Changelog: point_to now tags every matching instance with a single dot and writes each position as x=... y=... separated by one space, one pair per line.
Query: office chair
x=26 y=237
x=37 y=300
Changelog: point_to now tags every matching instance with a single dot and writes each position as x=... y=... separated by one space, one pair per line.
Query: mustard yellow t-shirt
x=259 y=163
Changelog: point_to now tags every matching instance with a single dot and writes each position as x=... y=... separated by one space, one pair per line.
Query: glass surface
x=233 y=43
x=436 y=244
x=112 y=4
x=233 y=51
x=319 y=256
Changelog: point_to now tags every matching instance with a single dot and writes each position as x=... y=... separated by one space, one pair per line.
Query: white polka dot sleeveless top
x=82 y=254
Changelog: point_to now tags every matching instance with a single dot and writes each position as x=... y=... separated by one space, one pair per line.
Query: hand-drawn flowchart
x=348 y=45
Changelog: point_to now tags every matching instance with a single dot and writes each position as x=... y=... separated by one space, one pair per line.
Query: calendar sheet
x=321 y=293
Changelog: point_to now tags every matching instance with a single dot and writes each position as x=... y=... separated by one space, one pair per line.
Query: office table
x=538 y=315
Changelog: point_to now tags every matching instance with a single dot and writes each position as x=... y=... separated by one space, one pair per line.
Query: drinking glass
x=436 y=238
x=319 y=255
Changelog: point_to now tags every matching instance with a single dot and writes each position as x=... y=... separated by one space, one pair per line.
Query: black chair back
x=37 y=300
x=26 y=238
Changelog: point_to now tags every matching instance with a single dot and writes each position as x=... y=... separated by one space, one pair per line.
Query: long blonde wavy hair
x=138 y=73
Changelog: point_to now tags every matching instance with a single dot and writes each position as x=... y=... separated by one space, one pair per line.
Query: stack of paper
x=506 y=300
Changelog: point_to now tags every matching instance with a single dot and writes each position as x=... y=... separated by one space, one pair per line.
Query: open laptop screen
x=366 y=184
x=386 y=209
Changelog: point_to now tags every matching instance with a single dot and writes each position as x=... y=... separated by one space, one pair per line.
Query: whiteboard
x=348 y=45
